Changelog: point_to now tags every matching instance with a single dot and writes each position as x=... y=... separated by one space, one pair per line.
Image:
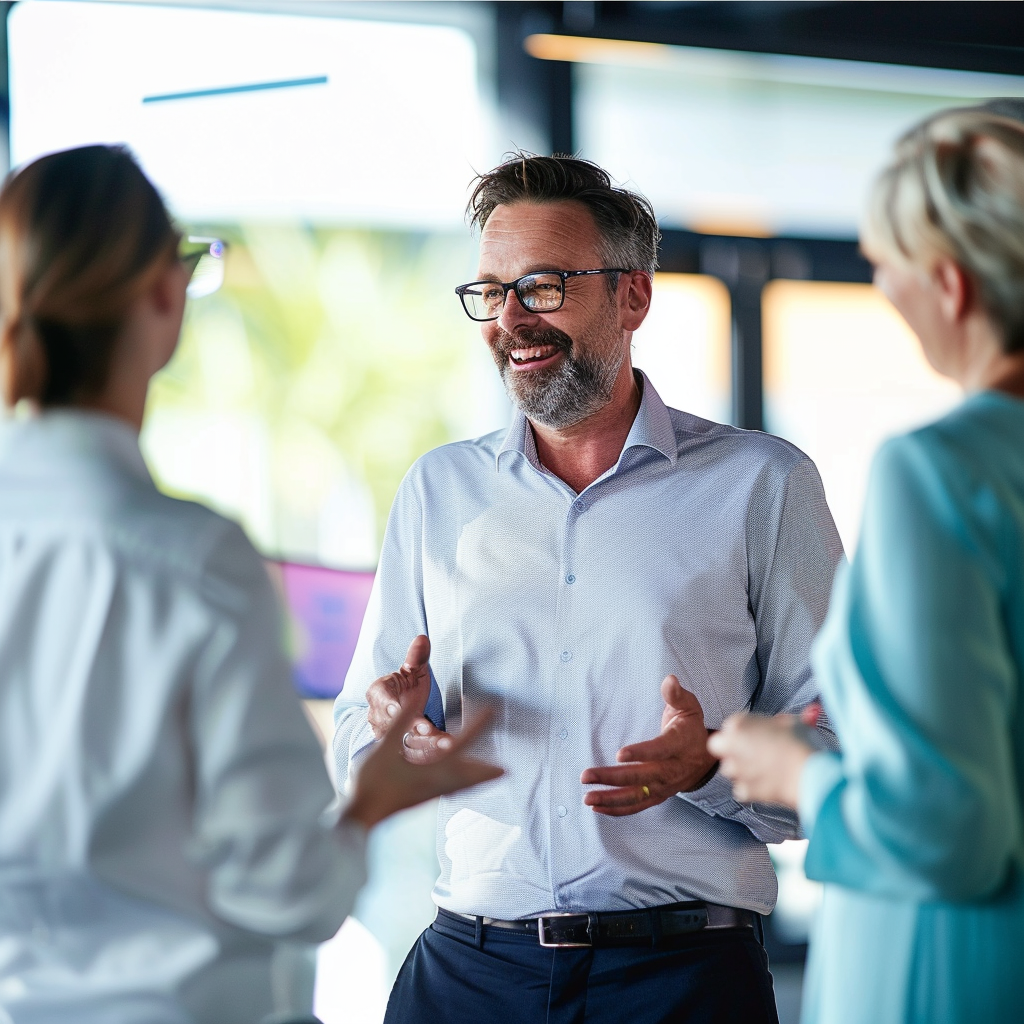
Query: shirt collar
x=76 y=434
x=652 y=428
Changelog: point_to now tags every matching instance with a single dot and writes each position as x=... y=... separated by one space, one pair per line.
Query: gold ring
x=647 y=792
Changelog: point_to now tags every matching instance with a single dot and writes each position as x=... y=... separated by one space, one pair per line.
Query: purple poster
x=325 y=608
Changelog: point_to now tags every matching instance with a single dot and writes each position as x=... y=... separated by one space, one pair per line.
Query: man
x=561 y=570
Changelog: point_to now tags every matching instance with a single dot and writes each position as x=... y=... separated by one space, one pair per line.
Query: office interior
x=331 y=144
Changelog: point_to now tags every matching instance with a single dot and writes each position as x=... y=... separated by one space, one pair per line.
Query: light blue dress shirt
x=160 y=789
x=917 y=828
x=705 y=551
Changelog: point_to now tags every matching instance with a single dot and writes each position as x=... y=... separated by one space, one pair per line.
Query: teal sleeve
x=917 y=675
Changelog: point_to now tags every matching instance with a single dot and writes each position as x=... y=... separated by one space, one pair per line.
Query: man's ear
x=637 y=302
x=955 y=289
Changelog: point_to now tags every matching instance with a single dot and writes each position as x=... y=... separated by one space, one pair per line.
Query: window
x=842 y=371
x=683 y=345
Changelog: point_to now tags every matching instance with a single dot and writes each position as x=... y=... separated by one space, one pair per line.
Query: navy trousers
x=462 y=973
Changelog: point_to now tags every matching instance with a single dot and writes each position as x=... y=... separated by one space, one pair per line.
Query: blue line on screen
x=290 y=83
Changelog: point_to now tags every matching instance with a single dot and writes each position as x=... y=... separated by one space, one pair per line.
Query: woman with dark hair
x=161 y=795
x=917 y=827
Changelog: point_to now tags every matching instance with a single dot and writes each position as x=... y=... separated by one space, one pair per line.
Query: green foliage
x=346 y=348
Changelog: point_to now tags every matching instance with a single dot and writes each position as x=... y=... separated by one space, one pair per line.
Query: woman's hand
x=388 y=782
x=763 y=757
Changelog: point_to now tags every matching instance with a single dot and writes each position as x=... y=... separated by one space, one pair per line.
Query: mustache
x=529 y=337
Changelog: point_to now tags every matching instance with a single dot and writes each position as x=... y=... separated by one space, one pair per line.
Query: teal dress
x=916 y=828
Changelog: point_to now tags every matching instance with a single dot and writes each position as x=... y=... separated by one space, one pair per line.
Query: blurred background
x=331 y=144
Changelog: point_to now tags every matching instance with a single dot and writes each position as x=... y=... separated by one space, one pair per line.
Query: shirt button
x=570 y=578
x=562 y=812
x=563 y=734
x=566 y=656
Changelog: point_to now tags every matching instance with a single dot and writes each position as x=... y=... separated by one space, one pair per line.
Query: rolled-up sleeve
x=793 y=550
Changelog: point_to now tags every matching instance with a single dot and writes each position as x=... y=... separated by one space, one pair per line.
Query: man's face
x=558 y=367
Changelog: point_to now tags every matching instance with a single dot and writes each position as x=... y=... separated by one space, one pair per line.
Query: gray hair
x=625 y=220
x=955 y=189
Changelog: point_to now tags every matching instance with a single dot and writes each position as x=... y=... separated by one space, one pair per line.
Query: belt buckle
x=542 y=932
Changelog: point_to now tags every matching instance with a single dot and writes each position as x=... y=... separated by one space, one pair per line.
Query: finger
x=470 y=772
x=720 y=744
x=431 y=743
x=620 y=797
x=418 y=654
x=619 y=810
x=677 y=696
x=621 y=775
x=474 y=728
x=733 y=723
x=658 y=749
x=383 y=699
x=811 y=714
x=395 y=734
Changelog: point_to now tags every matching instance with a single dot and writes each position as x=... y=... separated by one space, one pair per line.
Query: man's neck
x=581 y=453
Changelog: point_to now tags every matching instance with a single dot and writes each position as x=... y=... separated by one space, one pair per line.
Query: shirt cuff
x=821 y=773
x=715 y=796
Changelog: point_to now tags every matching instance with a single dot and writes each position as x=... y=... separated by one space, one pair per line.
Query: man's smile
x=533 y=357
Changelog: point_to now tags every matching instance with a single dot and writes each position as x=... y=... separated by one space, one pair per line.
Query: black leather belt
x=620 y=927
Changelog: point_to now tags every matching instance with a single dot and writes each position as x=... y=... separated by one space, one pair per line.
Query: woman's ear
x=167 y=301
x=955 y=290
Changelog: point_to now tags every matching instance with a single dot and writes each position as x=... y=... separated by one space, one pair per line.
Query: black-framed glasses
x=204 y=259
x=540 y=292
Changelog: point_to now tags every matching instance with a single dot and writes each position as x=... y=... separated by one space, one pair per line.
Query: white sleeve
x=275 y=866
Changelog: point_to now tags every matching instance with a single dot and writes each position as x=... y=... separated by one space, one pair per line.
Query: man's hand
x=674 y=762
x=407 y=690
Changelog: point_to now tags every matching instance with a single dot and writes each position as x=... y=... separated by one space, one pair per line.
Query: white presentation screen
x=238 y=115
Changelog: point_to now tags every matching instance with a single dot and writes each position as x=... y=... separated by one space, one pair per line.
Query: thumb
x=418 y=654
x=678 y=697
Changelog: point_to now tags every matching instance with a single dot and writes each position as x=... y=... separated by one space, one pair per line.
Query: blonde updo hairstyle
x=955 y=189
x=83 y=234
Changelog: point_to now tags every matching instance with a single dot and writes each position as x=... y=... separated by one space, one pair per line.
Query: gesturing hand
x=674 y=762
x=407 y=690
x=764 y=756
x=387 y=783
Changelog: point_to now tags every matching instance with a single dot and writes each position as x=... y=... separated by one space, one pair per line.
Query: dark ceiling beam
x=977 y=36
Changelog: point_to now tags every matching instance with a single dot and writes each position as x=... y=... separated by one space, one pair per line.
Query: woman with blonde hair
x=917 y=827
x=161 y=795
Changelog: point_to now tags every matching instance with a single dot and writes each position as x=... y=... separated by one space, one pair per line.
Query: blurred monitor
x=325 y=609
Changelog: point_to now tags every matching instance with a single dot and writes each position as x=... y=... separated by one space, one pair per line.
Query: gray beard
x=566 y=394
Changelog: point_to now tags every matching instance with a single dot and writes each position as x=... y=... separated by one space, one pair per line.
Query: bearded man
x=562 y=569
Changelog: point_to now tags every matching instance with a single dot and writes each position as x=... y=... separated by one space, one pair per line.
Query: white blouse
x=161 y=795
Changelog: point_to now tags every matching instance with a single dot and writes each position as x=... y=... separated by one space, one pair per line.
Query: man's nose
x=514 y=314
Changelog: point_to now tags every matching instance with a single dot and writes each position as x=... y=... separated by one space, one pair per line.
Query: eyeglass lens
x=537 y=292
x=208 y=271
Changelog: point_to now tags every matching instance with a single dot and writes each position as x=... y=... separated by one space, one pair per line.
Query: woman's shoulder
x=982 y=437
x=187 y=542
x=961 y=476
